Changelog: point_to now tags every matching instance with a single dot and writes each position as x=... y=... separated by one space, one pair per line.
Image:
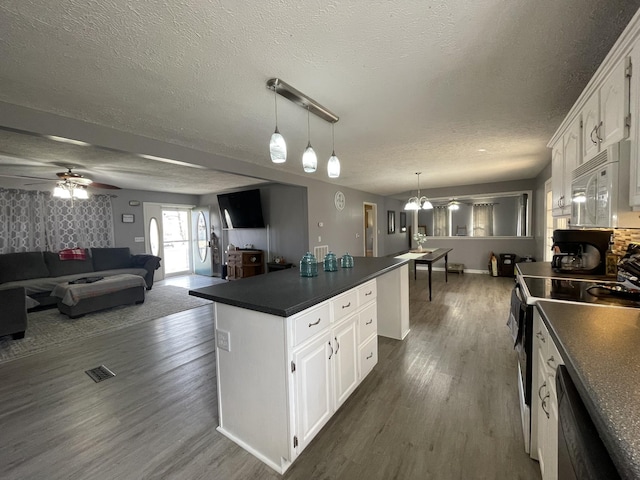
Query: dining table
x=429 y=258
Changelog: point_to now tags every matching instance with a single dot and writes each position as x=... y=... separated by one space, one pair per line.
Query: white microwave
x=600 y=188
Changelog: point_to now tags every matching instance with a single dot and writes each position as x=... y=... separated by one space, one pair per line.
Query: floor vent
x=320 y=252
x=100 y=373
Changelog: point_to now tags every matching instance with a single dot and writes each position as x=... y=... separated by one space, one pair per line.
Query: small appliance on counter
x=580 y=251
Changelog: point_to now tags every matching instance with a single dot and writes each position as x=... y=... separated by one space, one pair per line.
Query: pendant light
x=309 y=157
x=277 y=145
x=418 y=202
x=333 y=166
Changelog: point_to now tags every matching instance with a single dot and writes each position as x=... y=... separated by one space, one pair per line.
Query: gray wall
x=125 y=233
x=339 y=230
x=284 y=208
x=342 y=230
x=474 y=253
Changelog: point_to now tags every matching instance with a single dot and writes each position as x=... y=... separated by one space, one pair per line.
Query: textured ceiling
x=419 y=85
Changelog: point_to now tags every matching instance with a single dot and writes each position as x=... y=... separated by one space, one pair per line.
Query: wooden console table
x=431 y=257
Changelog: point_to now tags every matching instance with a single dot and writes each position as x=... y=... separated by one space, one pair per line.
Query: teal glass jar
x=308 y=265
x=346 y=261
x=330 y=262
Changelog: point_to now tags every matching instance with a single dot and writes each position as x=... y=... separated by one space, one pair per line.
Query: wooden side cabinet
x=244 y=263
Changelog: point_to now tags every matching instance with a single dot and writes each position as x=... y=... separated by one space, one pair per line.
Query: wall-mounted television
x=241 y=209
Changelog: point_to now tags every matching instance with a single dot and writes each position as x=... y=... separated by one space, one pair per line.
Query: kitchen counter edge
x=285 y=293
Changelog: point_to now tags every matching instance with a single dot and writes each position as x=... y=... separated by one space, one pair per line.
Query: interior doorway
x=370 y=237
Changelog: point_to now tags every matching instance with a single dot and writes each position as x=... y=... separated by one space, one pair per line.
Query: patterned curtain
x=36 y=221
x=483 y=220
x=441 y=222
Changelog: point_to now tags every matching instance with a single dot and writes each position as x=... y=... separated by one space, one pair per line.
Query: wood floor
x=440 y=405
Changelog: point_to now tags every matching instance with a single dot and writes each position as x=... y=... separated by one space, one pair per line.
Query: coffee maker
x=580 y=251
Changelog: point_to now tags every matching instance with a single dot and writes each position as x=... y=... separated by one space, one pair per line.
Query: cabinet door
x=541 y=399
x=590 y=124
x=614 y=105
x=312 y=387
x=551 y=449
x=557 y=177
x=345 y=359
x=572 y=157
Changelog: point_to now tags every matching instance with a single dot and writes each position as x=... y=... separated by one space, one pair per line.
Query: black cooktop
x=582 y=291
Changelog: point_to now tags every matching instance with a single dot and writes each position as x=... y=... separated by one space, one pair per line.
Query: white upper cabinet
x=605 y=113
x=591 y=123
x=557 y=178
x=566 y=155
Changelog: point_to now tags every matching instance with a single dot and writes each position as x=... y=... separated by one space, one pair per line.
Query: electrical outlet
x=319 y=238
x=223 y=340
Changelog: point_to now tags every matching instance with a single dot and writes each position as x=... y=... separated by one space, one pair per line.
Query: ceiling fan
x=78 y=179
x=68 y=178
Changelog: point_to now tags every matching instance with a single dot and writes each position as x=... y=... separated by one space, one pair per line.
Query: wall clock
x=339 y=200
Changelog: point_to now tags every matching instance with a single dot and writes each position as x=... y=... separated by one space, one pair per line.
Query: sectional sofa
x=37 y=274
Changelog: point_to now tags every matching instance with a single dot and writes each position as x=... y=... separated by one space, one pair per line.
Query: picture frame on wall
x=391 y=221
x=403 y=222
x=422 y=229
x=128 y=218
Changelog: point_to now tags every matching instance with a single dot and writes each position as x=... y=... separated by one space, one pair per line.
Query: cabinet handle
x=337 y=344
x=551 y=362
x=331 y=347
x=544 y=404
x=598 y=137
x=314 y=323
x=368 y=293
x=541 y=337
x=369 y=322
x=369 y=356
x=593 y=130
x=347 y=305
x=540 y=390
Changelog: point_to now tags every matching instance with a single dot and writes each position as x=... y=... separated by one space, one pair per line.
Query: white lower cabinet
x=545 y=413
x=313 y=388
x=327 y=367
x=280 y=379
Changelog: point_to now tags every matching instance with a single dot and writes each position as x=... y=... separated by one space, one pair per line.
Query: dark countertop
x=285 y=292
x=601 y=350
x=543 y=269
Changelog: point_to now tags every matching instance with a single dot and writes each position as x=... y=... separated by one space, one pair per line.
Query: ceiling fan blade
x=25 y=176
x=103 y=185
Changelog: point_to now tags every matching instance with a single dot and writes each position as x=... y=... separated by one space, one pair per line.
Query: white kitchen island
x=290 y=350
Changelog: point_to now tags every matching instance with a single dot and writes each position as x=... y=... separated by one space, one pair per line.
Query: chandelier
x=70 y=189
x=418 y=202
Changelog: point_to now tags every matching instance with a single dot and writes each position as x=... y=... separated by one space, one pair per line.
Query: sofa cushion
x=110 y=258
x=59 y=268
x=22 y=266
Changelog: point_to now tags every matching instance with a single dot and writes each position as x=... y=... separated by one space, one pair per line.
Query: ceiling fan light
x=333 y=166
x=61 y=192
x=81 y=193
x=278 y=148
x=309 y=159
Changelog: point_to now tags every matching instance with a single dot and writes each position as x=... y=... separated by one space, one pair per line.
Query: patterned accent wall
x=35 y=221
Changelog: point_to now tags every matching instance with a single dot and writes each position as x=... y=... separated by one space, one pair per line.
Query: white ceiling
x=419 y=85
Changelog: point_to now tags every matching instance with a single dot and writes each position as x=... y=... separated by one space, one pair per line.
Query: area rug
x=49 y=328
